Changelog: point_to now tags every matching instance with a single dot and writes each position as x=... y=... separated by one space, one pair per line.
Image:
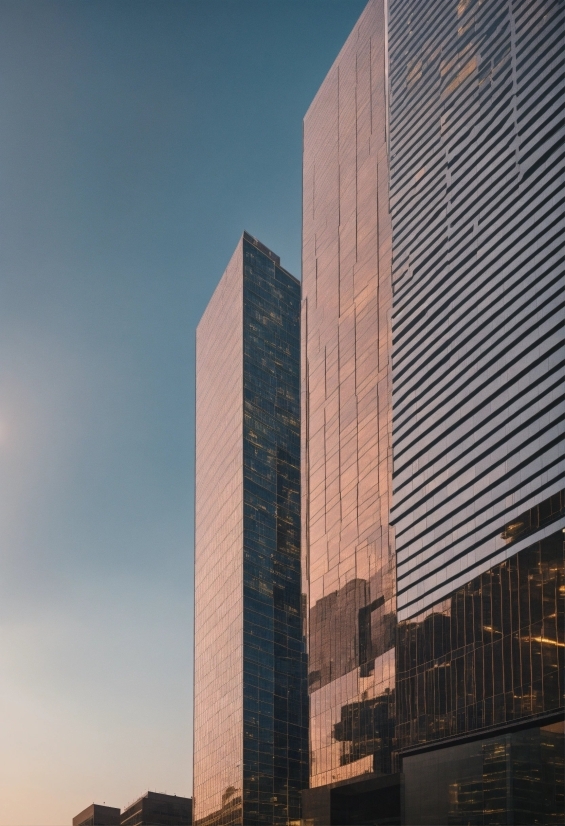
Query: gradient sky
x=138 y=138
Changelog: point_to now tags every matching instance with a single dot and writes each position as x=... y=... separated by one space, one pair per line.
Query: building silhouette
x=251 y=717
x=432 y=417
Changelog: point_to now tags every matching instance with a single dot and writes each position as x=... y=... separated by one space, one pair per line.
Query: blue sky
x=138 y=138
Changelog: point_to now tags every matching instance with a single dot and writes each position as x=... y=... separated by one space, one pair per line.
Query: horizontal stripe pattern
x=476 y=166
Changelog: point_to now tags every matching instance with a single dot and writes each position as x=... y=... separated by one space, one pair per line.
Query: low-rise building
x=97 y=815
x=155 y=809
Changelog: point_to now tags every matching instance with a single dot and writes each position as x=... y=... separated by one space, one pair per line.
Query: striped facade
x=476 y=188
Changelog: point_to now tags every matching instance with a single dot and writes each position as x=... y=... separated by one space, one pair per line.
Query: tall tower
x=348 y=547
x=436 y=141
x=477 y=182
x=251 y=717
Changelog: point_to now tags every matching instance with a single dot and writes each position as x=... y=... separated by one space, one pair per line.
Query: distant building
x=96 y=815
x=250 y=702
x=155 y=809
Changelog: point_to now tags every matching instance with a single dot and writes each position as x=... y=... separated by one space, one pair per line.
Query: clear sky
x=138 y=138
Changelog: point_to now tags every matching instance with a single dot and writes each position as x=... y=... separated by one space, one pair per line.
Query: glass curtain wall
x=348 y=547
x=251 y=716
x=476 y=184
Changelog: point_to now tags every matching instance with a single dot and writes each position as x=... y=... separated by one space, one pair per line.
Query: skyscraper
x=348 y=547
x=250 y=718
x=476 y=187
x=433 y=334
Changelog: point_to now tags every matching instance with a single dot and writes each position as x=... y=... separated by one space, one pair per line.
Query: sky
x=138 y=139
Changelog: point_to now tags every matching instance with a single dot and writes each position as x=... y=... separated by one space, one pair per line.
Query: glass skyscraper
x=251 y=714
x=348 y=546
x=433 y=414
x=476 y=189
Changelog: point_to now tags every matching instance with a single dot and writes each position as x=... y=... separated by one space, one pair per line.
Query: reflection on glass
x=492 y=653
x=348 y=546
x=534 y=518
x=251 y=712
x=515 y=778
x=367 y=727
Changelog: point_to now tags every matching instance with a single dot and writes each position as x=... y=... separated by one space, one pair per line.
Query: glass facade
x=476 y=192
x=348 y=548
x=476 y=185
x=218 y=643
x=251 y=713
x=491 y=654
x=433 y=415
x=515 y=778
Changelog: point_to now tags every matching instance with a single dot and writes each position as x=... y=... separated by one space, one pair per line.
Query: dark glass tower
x=476 y=187
x=250 y=726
